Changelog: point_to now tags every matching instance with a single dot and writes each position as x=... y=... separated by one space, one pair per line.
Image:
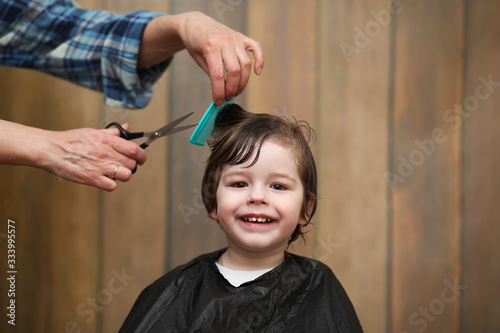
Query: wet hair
x=238 y=134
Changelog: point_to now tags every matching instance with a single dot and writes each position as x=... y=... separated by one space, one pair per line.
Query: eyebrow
x=272 y=175
x=283 y=175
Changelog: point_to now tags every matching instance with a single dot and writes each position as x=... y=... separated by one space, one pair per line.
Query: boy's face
x=258 y=207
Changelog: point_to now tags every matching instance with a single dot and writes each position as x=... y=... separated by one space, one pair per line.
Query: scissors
x=168 y=129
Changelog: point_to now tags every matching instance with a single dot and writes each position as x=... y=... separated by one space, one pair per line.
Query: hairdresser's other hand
x=86 y=156
x=220 y=51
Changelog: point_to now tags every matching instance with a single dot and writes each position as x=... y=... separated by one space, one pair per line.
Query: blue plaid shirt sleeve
x=92 y=48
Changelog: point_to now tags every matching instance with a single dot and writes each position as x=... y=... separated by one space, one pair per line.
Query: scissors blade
x=180 y=129
x=167 y=129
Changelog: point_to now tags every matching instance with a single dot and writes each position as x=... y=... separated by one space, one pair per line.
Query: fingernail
x=219 y=101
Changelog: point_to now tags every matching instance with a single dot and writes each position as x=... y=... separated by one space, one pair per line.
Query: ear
x=310 y=207
x=213 y=215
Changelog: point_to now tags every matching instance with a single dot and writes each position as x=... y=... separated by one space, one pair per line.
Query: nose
x=257 y=195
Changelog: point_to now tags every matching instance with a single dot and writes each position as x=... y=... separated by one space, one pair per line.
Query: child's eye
x=278 y=187
x=239 y=184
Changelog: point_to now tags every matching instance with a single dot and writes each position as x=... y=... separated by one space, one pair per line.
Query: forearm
x=20 y=144
x=87 y=156
x=160 y=40
x=31 y=146
x=92 y=48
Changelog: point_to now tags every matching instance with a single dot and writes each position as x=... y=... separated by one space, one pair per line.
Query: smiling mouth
x=257 y=219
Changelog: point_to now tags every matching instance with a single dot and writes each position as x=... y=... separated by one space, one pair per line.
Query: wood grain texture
x=286 y=31
x=74 y=219
x=352 y=153
x=481 y=161
x=25 y=198
x=426 y=211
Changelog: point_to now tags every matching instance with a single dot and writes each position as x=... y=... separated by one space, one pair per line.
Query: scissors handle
x=126 y=134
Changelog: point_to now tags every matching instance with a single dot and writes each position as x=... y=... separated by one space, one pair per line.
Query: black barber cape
x=299 y=295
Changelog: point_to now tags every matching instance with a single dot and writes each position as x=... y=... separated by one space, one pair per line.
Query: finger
x=128 y=153
x=216 y=74
x=113 y=130
x=254 y=47
x=128 y=162
x=201 y=62
x=105 y=183
x=246 y=66
x=135 y=155
x=118 y=172
x=233 y=72
x=112 y=173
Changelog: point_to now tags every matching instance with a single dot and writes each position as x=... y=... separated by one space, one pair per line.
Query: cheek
x=291 y=207
x=222 y=203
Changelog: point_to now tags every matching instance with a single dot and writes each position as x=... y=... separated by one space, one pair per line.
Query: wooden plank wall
x=404 y=101
x=480 y=165
x=426 y=155
x=352 y=155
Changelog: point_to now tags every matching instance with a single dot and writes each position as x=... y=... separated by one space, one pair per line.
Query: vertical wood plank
x=26 y=198
x=190 y=231
x=481 y=162
x=134 y=215
x=425 y=166
x=353 y=76
x=74 y=218
x=286 y=31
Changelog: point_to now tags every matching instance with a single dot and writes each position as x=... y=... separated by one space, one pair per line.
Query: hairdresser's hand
x=85 y=156
x=220 y=51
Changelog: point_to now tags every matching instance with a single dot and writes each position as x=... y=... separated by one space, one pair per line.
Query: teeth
x=256 y=219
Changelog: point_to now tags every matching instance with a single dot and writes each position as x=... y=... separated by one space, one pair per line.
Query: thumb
x=115 y=131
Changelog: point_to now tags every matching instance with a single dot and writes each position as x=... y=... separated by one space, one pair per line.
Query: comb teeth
x=206 y=126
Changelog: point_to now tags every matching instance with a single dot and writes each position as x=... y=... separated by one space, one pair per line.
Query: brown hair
x=237 y=133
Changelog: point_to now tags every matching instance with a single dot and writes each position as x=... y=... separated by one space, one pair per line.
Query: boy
x=260 y=186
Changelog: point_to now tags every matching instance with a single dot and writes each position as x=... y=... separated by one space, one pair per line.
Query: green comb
x=206 y=125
